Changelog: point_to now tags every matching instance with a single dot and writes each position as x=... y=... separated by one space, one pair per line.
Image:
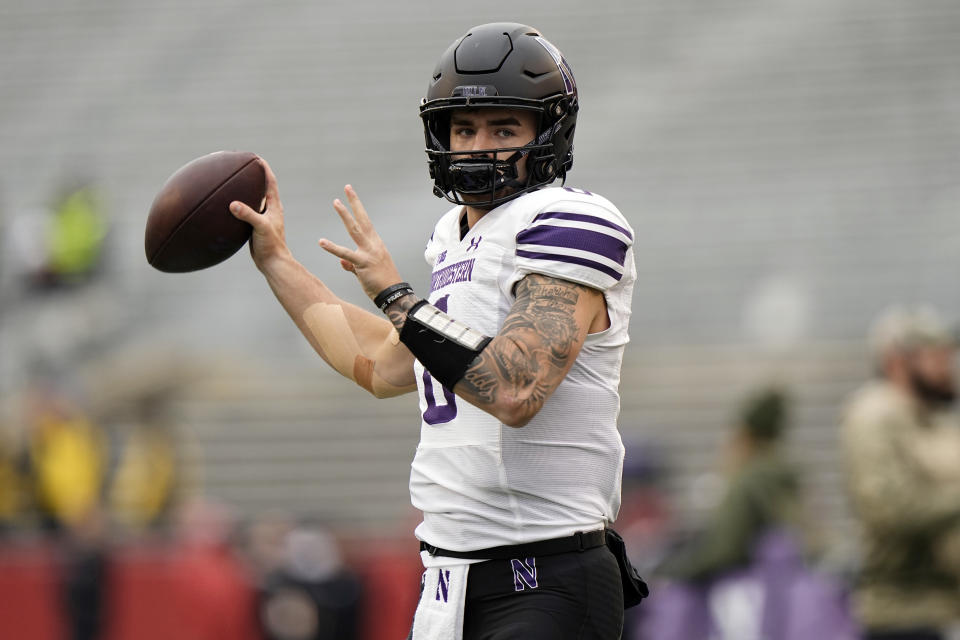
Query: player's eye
x=506 y=133
x=463 y=131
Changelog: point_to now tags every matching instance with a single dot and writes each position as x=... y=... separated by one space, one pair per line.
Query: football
x=190 y=226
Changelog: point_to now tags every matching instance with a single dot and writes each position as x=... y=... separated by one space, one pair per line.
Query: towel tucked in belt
x=439 y=614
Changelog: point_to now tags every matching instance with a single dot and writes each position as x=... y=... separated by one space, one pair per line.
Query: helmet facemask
x=462 y=176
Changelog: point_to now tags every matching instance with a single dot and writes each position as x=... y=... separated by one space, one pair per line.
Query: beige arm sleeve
x=331 y=331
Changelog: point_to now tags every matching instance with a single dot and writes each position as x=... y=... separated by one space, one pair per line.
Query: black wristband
x=391 y=294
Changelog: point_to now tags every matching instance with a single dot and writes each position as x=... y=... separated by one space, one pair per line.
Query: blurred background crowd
x=175 y=461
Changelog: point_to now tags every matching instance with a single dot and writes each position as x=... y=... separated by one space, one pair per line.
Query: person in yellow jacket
x=69 y=462
x=68 y=457
x=153 y=474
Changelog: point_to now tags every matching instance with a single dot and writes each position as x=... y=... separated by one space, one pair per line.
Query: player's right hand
x=268 y=242
x=370 y=261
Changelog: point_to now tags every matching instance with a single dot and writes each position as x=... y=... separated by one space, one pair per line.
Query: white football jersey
x=478 y=482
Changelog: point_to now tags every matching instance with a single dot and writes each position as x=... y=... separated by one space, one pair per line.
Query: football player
x=514 y=349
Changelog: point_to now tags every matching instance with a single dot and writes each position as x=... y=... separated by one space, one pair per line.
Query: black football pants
x=570 y=596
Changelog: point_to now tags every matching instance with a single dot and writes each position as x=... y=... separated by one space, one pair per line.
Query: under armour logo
x=441 y=257
x=443 y=585
x=524 y=573
x=475 y=243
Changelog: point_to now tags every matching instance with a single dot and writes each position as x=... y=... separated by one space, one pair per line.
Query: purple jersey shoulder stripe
x=557 y=257
x=582 y=217
x=575 y=238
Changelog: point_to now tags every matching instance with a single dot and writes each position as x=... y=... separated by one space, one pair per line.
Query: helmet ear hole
x=544 y=170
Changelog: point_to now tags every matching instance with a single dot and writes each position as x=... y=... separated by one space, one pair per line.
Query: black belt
x=577 y=542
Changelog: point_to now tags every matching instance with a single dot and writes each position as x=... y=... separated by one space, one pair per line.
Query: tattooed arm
x=526 y=361
x=539 y=340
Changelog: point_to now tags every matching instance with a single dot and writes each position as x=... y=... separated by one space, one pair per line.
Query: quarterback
x=514 y=349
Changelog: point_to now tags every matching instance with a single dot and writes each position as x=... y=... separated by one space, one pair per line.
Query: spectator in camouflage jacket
x=901 y=447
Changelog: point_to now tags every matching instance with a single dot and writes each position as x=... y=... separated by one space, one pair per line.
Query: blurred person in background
x=69 y=458
x=150 y=479
x=214 y=594
x=763 y=494
x=75 y=235
x=310 y=595
x=262 y=542
x=901 y=443
x=68 y=468
x=745 y=575
x=63 y=246
x=155 y=463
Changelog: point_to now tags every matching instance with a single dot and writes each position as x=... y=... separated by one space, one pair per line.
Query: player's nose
x=483 y=141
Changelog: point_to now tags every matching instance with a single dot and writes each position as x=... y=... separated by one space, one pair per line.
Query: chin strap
x=475 y=176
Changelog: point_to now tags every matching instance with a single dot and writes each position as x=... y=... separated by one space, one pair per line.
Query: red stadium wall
x=158 y=593
x=29 y=595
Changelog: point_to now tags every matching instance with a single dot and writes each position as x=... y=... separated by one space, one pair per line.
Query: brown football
x=190 y=226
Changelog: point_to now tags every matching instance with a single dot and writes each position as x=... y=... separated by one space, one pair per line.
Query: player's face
x=473 y=130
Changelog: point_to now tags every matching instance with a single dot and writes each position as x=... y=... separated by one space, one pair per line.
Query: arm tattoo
x=532 y=353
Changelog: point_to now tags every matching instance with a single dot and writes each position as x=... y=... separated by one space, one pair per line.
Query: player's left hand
x=370 y=261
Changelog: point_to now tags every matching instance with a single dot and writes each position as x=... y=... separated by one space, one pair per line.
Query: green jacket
x=764 y=495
